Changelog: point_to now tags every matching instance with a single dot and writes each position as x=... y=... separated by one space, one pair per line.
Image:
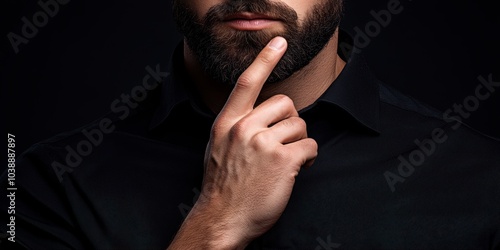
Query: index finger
x=249 y=84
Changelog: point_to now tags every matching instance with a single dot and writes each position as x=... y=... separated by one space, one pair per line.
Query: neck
x=316 y=77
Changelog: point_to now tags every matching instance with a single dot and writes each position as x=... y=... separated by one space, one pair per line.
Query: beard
x=225 y=54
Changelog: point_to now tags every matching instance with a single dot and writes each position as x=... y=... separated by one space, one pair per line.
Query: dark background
x=91 y=52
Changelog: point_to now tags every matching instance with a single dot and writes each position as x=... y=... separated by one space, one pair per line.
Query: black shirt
x=391 y=174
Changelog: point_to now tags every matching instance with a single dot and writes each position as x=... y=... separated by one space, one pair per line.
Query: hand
x=251 y=161
x=254 y=155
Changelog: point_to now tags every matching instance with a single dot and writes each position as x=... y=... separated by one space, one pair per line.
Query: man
x=264 y=136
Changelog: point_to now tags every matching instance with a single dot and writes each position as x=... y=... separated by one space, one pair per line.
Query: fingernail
x=277 y=43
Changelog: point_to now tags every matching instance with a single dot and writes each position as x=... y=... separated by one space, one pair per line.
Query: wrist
x=211 y=227
x=225 y=229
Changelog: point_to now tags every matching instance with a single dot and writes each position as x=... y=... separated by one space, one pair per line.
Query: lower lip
x=252 y=24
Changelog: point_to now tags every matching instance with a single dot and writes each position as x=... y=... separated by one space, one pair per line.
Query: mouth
x=250 y=21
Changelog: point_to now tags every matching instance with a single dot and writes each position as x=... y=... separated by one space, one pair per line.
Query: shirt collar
x=355 y=90
x=175 y=88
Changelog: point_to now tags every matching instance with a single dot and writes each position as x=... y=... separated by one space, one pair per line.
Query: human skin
x=258 y=142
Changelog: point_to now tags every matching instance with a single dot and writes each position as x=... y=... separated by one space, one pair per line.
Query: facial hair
x=225 y=54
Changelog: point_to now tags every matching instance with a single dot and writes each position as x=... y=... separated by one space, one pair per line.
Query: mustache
x=275 y=10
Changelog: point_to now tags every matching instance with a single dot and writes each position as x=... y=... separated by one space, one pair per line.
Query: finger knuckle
x=238 y=130
x=295 y=122
x=282 y=97
x=288 y=123
x=301 y=123
x=220 y=125
x=313 y=145
x=281 y=155
x=245 y=81
x=261 y=140
x=285 y=101
x=217 y=130
x=265 y=57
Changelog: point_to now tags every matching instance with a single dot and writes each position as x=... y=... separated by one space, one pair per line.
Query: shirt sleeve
x=38 y=205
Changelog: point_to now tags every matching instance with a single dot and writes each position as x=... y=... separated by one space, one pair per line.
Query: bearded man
x=265 y=135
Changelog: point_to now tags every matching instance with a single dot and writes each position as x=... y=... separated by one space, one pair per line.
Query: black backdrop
x=90 y=52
